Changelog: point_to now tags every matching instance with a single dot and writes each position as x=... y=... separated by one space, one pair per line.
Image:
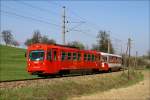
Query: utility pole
x=125 y=58
x=121 y=49
x=136 y=60
x=64 y=25
x=129 y=45
x=108 y=48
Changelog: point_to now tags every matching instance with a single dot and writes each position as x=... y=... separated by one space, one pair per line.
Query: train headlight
x=103 y=65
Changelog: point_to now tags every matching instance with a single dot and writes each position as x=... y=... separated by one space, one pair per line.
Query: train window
x=79 y=56
x=89 y=57
x=69 y=56
x=55 y=55
x=114 y=59
x=110 y=59
x=63 y=55
x=97 y=58
x=85 y=56
x=93 y=57
x=74 y=56
x=104 y=59
x=119 y=60
x=36 y=55
x=49 y=55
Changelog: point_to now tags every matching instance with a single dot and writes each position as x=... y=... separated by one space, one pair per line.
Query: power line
x=87 y=34
x=55 y=3
x=75 y=14
x=36 y=7
x=24 y=12
x=72 y=29
x=82 y=19
x=30 y=18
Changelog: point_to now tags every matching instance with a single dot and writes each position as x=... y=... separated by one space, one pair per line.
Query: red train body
x=52 y=59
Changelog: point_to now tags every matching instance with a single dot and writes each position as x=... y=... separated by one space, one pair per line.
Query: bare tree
x=28 y=42
x=102 y=42
x=15 y=43
x=38 y=38
x=7 y=36
x=46 y=40
x=77 y=44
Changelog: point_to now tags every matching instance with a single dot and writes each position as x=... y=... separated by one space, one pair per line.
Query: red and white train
x=44 y=59
x=111 y=62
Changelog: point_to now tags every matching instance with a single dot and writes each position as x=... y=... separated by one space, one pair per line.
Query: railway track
x=30 y=82
x=11 y=81
x=47 y=77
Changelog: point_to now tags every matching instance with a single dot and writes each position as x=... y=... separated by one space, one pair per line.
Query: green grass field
x=13 y=64
x=13 y=67
x=66 y=88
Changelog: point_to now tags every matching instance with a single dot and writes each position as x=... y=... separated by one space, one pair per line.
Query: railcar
x=111 y=62
x=46 y=59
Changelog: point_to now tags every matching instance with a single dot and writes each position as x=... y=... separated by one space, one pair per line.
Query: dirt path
x=139 y=91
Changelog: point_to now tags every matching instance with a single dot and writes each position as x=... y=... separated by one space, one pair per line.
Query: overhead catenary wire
x=85 y=33
x=30 y=18
x=73 y=28
x=81 y=19
x=31 y=14
x=94 y=25
x=36 y=7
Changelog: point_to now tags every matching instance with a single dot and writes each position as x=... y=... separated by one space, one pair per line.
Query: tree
x=77 y=44
x=28 y=42
x=15 y=43
x=38 y=38
x=51 y=41
x=7 y=36
x=45 y=39
x=102 y=42
x=95 y=47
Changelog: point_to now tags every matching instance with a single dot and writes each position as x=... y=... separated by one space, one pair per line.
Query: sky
x=121 y=19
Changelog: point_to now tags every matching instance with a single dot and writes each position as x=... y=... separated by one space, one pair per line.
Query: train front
x=36 y=56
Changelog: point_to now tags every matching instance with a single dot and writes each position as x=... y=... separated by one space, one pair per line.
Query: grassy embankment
x=12 y=64
x=63 y=89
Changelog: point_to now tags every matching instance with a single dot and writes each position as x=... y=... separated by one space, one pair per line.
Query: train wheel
x=110 y=70
x=43 y=76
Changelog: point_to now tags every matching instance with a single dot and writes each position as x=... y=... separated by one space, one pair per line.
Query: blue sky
x=122 y=19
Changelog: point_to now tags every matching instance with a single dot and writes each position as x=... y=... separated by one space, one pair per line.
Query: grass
x=63 y=89
x=12 y=64
x=13 y=67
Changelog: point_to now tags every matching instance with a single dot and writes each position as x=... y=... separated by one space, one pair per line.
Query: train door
x=55 y=61
x=98 y=61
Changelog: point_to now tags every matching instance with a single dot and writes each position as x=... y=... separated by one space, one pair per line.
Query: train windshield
x=37 y=55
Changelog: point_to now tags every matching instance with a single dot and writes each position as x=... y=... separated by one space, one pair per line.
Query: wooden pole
x=129 y=44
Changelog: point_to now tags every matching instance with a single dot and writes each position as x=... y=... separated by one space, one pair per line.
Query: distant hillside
x=12 y=63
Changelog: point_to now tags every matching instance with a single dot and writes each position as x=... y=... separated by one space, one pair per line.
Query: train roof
x=41 y=45
x=108 y=54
